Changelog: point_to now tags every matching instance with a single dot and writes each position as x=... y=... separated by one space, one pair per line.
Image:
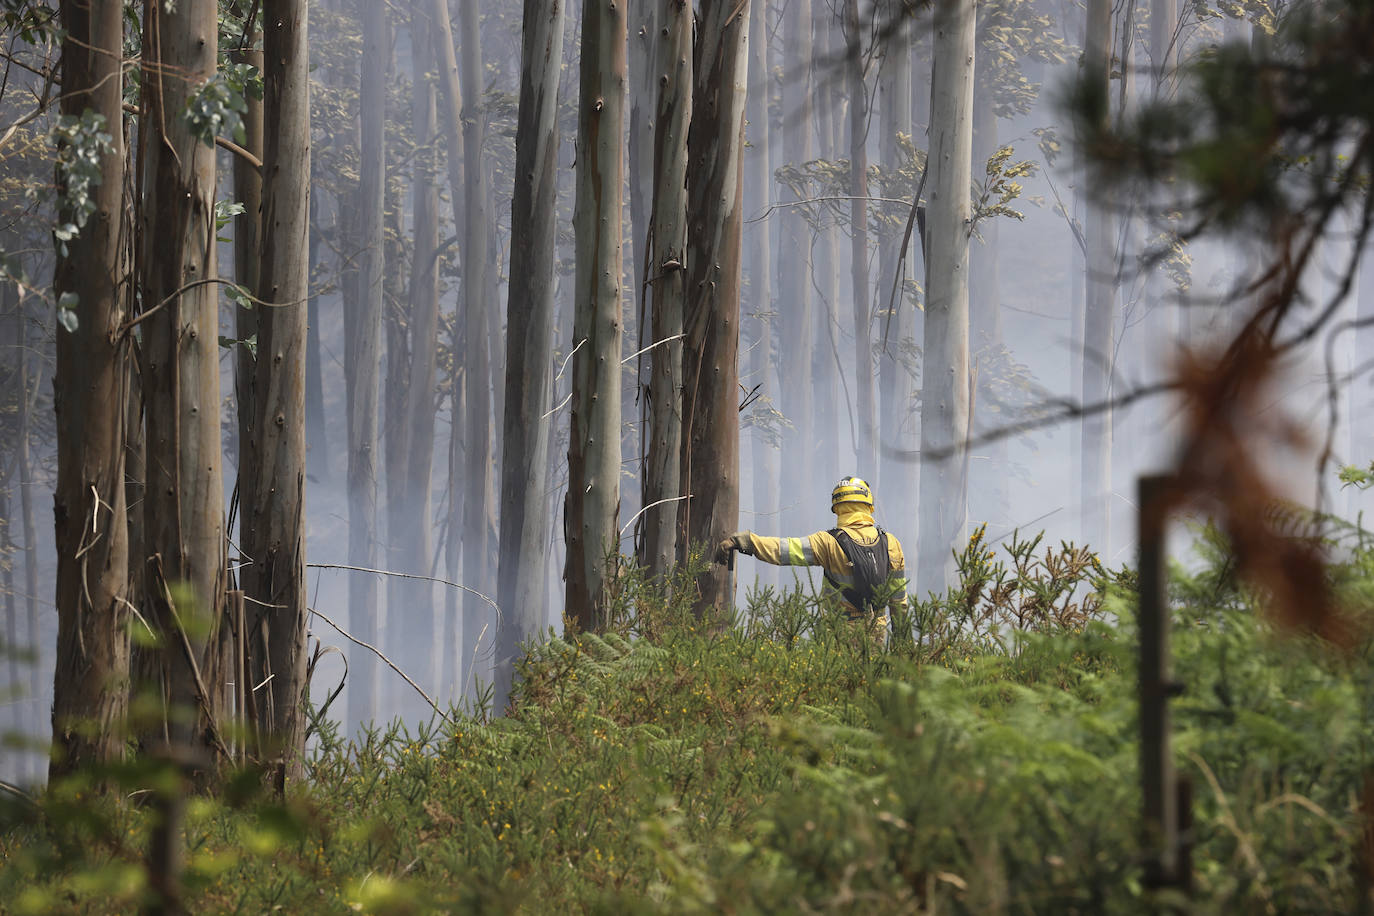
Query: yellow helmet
x=851 y=490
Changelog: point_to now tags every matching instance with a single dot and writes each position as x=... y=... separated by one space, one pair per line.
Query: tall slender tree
x=668 y=279
x=90 y=690
x=363 y=358
x=710 y=354
x=896 y=425
x=450 y=635
x=410 y=471
x=184 y=500
x=794 y=278
x=766 y=462
x=593 y=500
x=945 y=387
x=526 y=425
x=478 y=568
x=1100 y=302
x=274 y=501
x=855 y=66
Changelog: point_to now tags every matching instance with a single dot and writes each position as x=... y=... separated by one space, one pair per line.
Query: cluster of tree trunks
x=146 y=259
x=172 y=574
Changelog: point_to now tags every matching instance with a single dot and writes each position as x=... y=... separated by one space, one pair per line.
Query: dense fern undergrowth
x=985 y=761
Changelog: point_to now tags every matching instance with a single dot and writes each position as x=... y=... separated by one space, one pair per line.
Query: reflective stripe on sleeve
x=799 y=552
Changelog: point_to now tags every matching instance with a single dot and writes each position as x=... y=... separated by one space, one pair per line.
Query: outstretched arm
x=777 y=551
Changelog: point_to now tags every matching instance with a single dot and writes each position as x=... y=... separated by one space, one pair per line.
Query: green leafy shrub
x=986 y=762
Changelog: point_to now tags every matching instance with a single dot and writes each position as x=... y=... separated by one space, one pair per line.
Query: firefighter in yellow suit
x=869 y=581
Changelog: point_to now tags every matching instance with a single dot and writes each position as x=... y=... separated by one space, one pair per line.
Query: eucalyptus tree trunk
x=274 y=488
x=710 y=353
x=758 y=188
x=184 y=501
x=945 y=393
x=90 y=686
x=449 y=634
x=643 y=91
x=362 y=358
x=525 y=424
x=858 y=234
x=28 y=392
x=478 y=566
x=897 y=423
x=794 y=267
x=667 y=243
x=832 y=421
x=408 y=479
x=593 y=500
x=247 y=245
x=989 y=499
x=316 y=433
x=13 y=641
x=1164 y=318
x=1100 y=304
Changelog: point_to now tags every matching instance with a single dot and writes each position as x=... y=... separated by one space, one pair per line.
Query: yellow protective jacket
x=821 y=549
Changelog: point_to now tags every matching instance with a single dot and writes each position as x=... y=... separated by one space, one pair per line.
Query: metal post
x=1158 y=782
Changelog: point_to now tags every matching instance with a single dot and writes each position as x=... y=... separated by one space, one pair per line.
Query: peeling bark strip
x=90 y=689
x=710 y=363
x=667 y=242
x=274 y=506
x=593 y=500
x=529 y=340
x=184 y=502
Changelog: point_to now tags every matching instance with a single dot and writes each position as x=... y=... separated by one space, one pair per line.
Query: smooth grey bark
x=794 y=268
x=989 y=499
x=184 y=501
x=642 y=93
x=758 y=193
x=831 y=421
x=945 y=392
x=409 y=477
x=710 y=352
x=28 y=392
x=1099 y=306
x=667 y=243
x=316 y=432
x=274 y=494
x=90 y=684
x=14 y=643
x=478 y=562
x=643 y=30
x=247 y=244
x=525 y=507
x=867 y=455
x=897 y=420
x=449 y=634
x=362 y=358
x=593 y=500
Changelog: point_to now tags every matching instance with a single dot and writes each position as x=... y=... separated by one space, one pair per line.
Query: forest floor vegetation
x=985 y=761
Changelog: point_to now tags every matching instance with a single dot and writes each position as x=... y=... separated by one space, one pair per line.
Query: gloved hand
x=738 y=541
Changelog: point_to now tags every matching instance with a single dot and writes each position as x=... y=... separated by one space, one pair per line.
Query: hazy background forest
x=1077 y=294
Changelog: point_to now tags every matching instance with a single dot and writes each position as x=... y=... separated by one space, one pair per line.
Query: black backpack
x=871 y=567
